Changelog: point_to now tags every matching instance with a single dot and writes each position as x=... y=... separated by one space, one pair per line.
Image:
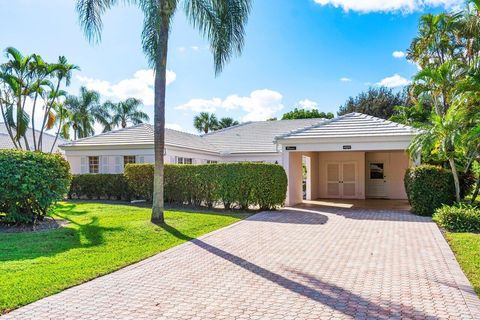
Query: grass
x=466 y=247
x=99 y=239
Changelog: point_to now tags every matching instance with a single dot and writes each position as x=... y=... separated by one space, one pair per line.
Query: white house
x=354 y=156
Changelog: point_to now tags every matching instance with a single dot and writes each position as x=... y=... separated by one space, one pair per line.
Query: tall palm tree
x=442 y=139
x=222 y=22
x=226 y=122
x=205 y=122
x=126 y=112
x=85 y=111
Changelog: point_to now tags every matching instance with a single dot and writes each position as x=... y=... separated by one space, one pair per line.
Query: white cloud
x=195 y=48
x=394 y=81
x=405 y=6
x=398 y=54
x=140 y=86
x=345 y=79
x=259 y=105
x=307 y=104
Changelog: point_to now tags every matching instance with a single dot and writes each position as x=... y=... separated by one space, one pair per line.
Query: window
x=376 y=171
x=128 y=159
x=211 y=161
x=182 y=160
x=93 y=164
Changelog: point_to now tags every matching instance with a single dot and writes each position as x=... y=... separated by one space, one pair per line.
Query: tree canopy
x=306 y=114
x=377 y=101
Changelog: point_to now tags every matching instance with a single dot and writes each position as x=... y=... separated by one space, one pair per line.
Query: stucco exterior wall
x=396 y=163
x=111 y=160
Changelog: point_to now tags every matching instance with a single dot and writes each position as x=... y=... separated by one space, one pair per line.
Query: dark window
x=128 y=159
x=93 y=164
x=376 y=171
x=182 y=160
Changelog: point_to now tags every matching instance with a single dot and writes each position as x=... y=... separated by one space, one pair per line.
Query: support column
x=292 y=163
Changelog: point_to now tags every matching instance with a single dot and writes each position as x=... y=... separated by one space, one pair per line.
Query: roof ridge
x=227 y=128
x=107 y=133
x=321 y=123
x=389 y=122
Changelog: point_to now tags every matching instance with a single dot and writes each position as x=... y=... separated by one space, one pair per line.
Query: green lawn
x=466 y=247
x=100 y=238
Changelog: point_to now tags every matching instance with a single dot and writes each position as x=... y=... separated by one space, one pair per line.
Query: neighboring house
x=352 y=156
x=48 y=140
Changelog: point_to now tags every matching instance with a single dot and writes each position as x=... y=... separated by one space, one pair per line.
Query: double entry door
x=342 y=179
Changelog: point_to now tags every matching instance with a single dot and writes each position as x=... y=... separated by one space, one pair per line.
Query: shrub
x=232 y=184
x=99 y=186
x=458 y=218
x=30 y=183
x=428 y=188
x=139 y=178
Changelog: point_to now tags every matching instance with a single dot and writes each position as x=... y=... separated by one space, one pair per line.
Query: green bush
x=428 y=188
x=231 y=184
x=30 y=183
x=99 y=186
x=458 y=218
x=139 y=178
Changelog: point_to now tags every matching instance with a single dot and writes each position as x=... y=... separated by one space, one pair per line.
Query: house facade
x=355 y=156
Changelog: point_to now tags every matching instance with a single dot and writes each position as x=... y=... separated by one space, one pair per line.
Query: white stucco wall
x=111 y=160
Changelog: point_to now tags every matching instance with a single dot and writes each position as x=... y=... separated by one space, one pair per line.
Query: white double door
x=342 y=179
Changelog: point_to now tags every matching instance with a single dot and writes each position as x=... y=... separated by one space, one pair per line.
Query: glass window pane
x=376 y=171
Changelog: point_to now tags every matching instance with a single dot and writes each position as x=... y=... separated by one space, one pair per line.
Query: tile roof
x=48 y=139
x=142 y=134
x=254 y=137
x=351 y=125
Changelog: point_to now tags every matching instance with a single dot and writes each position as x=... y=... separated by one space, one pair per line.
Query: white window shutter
x=83 y=165
x=118 y=164
x=141 y=159
x=103 y=164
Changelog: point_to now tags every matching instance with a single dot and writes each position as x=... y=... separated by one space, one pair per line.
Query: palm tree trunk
x=477 y=189
x=159 y=116
x=56 y=136
x=455 y=179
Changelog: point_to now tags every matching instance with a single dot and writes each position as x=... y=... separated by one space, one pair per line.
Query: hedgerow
x=99 y=186
x=231 y=184
x=428 y=188
x=30 y=182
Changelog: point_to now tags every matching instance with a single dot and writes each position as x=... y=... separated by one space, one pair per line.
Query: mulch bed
x=45 y=225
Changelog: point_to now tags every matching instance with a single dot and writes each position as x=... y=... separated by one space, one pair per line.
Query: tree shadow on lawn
x=25 y=246
x=311 y=287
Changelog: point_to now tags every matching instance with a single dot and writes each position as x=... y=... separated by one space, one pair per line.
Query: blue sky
x=311 y=53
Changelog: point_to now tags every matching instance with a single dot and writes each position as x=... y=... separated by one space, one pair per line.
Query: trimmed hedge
x=99 y=186
x=428 y=188
x=458 y=218
x=231 y=184
x=30 y=182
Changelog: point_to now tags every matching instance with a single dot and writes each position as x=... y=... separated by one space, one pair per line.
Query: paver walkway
x=325 y=263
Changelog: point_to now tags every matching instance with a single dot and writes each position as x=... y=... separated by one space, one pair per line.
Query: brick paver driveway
x=294 y=264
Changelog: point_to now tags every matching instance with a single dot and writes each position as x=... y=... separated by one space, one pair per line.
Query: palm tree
x=85 y=111
x=222 y=22
x=126 y=112
x=205 y=122
x=442 y=138
x=63 y=123
x=226 y=122
x=438 y=84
